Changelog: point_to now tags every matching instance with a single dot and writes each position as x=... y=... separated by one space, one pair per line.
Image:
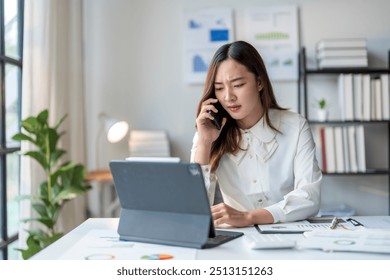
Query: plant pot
x=322 y=115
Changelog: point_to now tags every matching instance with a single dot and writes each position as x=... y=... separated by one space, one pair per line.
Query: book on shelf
x=360 y=149
x=385 y=96
x=345 y=85
x=341 y=53
x=338 y=144
x=346 y=149
x=340 y=43
x=357 y=96
x=343 y=62
x=376 y=102
x=372 y=101
x=378 y=98
x=366 y=97
x=352 y=149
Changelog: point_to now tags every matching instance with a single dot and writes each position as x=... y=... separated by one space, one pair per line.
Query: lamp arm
x=97 y=146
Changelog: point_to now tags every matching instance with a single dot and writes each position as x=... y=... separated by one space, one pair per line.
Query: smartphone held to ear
x=218 y=117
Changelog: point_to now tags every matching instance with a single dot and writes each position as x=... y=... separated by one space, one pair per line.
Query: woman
x=263 y=156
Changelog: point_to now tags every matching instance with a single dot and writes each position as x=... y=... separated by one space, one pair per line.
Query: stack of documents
x=342 y=234
x=362 y=240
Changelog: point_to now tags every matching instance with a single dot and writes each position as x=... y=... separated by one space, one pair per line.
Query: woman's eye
x=239 y=85
x=219 y=88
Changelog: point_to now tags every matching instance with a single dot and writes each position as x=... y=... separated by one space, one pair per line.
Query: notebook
x=165 y=203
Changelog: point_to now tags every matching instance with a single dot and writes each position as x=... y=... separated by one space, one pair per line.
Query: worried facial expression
x=237 y=89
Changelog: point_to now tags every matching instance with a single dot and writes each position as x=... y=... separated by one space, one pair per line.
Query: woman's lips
x=234 y=108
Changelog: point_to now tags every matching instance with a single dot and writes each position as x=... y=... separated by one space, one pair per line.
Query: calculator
x=268 y=241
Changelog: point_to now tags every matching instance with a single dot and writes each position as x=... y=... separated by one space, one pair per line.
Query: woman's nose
x=229 y=95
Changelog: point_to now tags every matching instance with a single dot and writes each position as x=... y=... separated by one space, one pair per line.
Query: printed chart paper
x=364 y=240
x=105 y=245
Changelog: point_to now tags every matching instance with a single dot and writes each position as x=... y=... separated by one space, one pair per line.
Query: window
x=11 y=44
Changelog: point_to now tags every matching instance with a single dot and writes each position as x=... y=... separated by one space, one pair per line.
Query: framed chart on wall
x=273 y=31
x=205 y=31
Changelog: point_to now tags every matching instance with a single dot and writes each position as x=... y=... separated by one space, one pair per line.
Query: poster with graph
x=205 y=31
x=273 y=31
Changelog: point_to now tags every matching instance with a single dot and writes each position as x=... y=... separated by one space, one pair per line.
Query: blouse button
x=206 y=169
x=254 y=181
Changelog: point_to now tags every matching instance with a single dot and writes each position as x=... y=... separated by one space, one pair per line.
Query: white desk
x=233 y=250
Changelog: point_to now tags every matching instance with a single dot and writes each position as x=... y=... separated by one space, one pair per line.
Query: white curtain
x=53 y=80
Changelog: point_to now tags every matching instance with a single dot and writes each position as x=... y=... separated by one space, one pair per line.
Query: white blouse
x=275 y=171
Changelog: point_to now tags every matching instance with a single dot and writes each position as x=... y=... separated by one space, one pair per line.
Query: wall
x=134 y=71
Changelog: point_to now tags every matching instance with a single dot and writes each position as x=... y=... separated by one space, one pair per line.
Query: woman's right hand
x=207 y=132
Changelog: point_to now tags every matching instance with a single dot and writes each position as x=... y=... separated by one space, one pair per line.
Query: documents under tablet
x=154 y=159
x=165 y=203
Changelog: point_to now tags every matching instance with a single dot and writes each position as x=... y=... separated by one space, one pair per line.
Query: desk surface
x=233 y=250
x=102 y=175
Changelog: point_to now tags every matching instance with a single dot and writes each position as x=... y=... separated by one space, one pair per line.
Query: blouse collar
x=260 y=138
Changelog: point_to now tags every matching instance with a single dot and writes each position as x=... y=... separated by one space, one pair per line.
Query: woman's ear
x=260 y=85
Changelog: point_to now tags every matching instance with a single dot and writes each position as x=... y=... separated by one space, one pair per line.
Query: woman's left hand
x=224 y=214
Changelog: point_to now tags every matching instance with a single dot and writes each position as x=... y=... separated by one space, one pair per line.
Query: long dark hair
x=245 y=54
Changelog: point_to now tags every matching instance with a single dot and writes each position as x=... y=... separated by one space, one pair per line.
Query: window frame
x=4 y=150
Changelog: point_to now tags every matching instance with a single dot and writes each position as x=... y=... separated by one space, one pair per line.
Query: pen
x=334 y=223
x=354 y=222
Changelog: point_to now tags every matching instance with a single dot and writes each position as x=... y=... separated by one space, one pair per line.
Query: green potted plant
x=322 y=112
x=64 y=181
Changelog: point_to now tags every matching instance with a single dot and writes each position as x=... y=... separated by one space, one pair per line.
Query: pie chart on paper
x=157 y=257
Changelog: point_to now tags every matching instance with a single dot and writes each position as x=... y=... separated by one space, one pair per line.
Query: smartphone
x=218 y=117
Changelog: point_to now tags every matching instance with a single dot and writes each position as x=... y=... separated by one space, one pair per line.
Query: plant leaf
x=21 y=137
x=31 y=124
x=40 y=209
x=33 y=247
x=38 y=156
x=26 y=196
x=53 y=139
x=47 y=222
x=56 y=155
x=66 y=194
x=43 y=117
x=37 y=233
x=60 y=122
x=47 y=241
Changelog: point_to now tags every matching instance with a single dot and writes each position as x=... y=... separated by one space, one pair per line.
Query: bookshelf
x=303 y=97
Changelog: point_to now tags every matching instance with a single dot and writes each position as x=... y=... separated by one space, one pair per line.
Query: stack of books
x=342 y=53
x=149 y=143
